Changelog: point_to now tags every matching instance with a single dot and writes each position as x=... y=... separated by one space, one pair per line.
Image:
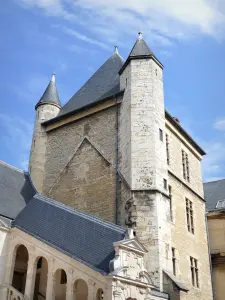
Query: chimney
x=177 y=120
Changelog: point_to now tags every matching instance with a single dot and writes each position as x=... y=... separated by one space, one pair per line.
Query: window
x=171 y=204
x=185 y=163
x=34 y=143
x=194 y=272
x=189 y=213
x=160 y=134
x=167 y=150
x=174 y=261
x=165 y=184
x=220 y=204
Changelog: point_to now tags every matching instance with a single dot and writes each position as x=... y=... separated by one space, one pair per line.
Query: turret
x=47 y=108
x=143 y=154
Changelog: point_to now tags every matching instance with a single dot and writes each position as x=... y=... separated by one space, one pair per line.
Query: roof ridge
x=12 y=167
x=213 y=181
x=78 y=212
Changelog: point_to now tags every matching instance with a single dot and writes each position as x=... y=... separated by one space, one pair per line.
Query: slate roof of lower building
x=105 y=79
x=16 y=190
x=83 y=237
x=213 y=192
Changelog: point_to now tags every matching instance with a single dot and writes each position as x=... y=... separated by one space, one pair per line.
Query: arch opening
x=60 y=283
x=20 y=269
x=81 y=290
x=41 y=279
x=100 y=294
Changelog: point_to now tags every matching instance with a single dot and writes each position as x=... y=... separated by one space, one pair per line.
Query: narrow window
x=167 y=150
x=190 y=217
x=165 y=184
x=126 y=81
x=194 y=272
x=160 y=134
x=171 y=204
x=185 y=164
x=174 y=261
x=34 y=143
x=187 y=167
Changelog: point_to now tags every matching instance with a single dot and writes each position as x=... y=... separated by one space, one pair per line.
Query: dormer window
x=220 y=204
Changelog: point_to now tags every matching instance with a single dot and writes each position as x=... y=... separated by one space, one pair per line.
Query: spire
x=140 y=47
x=140 y=50
x=116 y=50
x=50 y=95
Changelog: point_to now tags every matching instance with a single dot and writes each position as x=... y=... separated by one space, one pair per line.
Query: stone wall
x=187 y=244
x=80 y=164
x=39 y=143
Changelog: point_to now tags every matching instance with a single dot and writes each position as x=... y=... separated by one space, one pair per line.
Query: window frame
x=190 y=215
x=194 y=272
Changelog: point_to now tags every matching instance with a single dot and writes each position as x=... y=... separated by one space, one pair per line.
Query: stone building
x=114 y=152
x=215 y=204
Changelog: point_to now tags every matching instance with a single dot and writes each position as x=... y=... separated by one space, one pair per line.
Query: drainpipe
x=116 y=159
x=210 y=260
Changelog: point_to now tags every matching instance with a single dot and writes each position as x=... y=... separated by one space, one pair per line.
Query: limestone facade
x=113 y=163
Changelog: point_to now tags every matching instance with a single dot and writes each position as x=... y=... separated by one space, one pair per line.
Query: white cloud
x=213 y=164
x=161 y=21
x=17 y=134
x=219 y=125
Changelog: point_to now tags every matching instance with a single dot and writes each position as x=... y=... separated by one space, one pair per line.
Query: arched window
x=41 y=278
x=20 y=269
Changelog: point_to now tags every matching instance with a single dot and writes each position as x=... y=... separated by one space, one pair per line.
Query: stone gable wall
x=82 y=173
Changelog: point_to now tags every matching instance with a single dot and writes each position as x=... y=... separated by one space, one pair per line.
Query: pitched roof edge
x=118 y=228
x=184 y=133
x=11 y=167
x=58 y=118
x=150 y=56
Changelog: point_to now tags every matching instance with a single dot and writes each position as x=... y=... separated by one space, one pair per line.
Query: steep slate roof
x=50 y=95
x=214 y=191
x=104 y=81
x=16 y=190
x=83 y=237
x=140 y=48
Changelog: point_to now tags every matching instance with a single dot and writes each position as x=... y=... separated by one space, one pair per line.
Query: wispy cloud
x=162 y=22
x=85 y=38
x=219 y=124
x=17 y=134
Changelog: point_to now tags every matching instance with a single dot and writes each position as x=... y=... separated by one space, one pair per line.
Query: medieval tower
x=114 y=151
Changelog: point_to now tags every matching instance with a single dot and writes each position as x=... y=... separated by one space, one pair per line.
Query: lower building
x=51 y=251
x=215 y=204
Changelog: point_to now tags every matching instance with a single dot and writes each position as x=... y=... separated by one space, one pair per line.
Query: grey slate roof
x=15 y=190
x=140 y=48
x=104 y=81
x=50 y=94
x=213 y=192
x=84 y=237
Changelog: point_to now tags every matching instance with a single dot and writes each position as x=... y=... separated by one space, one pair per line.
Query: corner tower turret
x=47 y=108
x=143 y=155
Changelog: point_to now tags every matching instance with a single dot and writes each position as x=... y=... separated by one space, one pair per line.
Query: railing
x=8 y=292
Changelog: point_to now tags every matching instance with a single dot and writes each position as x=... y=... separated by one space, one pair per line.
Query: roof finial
x=116 y=50
x=140 y=35
x=53 y=77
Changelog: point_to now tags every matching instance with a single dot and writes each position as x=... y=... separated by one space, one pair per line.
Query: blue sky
x=73 y=38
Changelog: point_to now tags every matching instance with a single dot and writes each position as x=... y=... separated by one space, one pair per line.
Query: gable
x=87 y=182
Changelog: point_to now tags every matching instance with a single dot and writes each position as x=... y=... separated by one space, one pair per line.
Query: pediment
x=132 y=245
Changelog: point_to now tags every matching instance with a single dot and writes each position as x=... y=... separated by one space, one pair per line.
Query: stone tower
x=47 y=108
x=143 y=154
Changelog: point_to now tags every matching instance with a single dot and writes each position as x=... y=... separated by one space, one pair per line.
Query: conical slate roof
x=140 y=48
x=50 y=95
x=103 y=83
